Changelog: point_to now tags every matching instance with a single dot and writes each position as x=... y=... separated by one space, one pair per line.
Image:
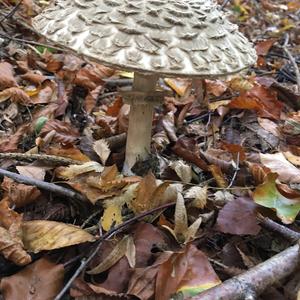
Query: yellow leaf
x=42 y=235
x=112 y=215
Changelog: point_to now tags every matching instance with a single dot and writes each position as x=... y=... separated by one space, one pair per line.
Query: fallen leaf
x=42 y=235
x=113 y=207
x=268 y=195
x=182 y=232
x=72 y=171
x=7 y=215
x=185 y=274
x=42 y=280
x=269 y=126
x=20 y=194
x=32 y=171
x=277 y=163
x=199 y=194
x=15 y=95
x=119 y=250
x=216 y=87
x=183 y=171
x=7 y=78
x=101 y=147
x=263 y=47
x=12 y=248
x=294 y=159
x=179 y=85
x=238 y=217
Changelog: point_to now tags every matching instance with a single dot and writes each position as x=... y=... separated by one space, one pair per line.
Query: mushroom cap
x=175 y=38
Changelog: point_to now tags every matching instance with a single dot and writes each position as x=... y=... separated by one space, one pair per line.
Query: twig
x=285 y=232
x=46 y=157
x=236 y=170
x=117 y=82
x=257 y=279
x=12 y=12
x=51 y=187
x=293 y=61
x=85 y=261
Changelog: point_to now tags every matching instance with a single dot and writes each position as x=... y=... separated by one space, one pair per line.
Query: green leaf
x=40 y=123
x=268 y=195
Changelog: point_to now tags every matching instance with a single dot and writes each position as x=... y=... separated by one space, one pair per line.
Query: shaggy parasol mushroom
x=153 y=38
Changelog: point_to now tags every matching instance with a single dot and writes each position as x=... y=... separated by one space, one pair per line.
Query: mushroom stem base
x=140 y=123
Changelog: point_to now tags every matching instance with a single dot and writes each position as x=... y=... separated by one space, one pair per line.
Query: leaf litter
x=190 y=214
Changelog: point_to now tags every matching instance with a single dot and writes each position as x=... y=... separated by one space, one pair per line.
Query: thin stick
x=23 y=41
x=107 y=235
x=257 y=279
x=285 y=232
x=46 y=157
x=236 y=170
x=12 y=12
x=292 y=60
x=51 y=187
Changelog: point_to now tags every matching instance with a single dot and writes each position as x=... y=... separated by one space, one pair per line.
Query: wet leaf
x=42 y=235
x=41 y=280
x=268 y=195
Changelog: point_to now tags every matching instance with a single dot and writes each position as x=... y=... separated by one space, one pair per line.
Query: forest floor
x=219 y=195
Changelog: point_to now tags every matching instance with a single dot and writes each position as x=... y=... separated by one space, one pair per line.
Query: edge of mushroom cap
x=189 y=56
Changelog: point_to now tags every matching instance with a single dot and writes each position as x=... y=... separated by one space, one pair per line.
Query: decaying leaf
x=74 y=170
x=182 y=232
x=101 y=147
x=12 y=248
x=113 y=207
x=149 y=194
x=120 y=249
x=277 y=163
x=199 y=194
x=183 y=171
x=268 y=195
x=238 y=217
x=42 y=235
x=7 y=79
x=41 y=280
x=187 y=273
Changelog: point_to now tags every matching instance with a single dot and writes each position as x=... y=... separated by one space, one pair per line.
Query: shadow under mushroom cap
x=186 y=38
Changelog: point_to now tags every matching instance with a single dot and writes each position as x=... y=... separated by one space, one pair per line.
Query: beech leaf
x=42 y=235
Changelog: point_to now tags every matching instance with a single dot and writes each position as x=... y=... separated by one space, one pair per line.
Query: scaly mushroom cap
x=187 y=38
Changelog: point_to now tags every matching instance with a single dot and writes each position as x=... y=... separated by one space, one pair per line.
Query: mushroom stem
x=140 y=122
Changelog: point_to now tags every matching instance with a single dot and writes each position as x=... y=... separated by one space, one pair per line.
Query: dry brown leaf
x=269 y=126
x=42 y=235
x=101 y=147
x=72 y=171
x=41 y=280
x=16 y=95
x=277 y=163
x=71 y=152
x=199 y=194
x=20 y=194
x=7 y=78
x=120 y=249
x=34 y=77
x=7 y=215
x=32 y=171
x=64 y=132
x=183 y=171
x=12 y=249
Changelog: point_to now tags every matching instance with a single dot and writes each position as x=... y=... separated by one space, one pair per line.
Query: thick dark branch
x=257 y=279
